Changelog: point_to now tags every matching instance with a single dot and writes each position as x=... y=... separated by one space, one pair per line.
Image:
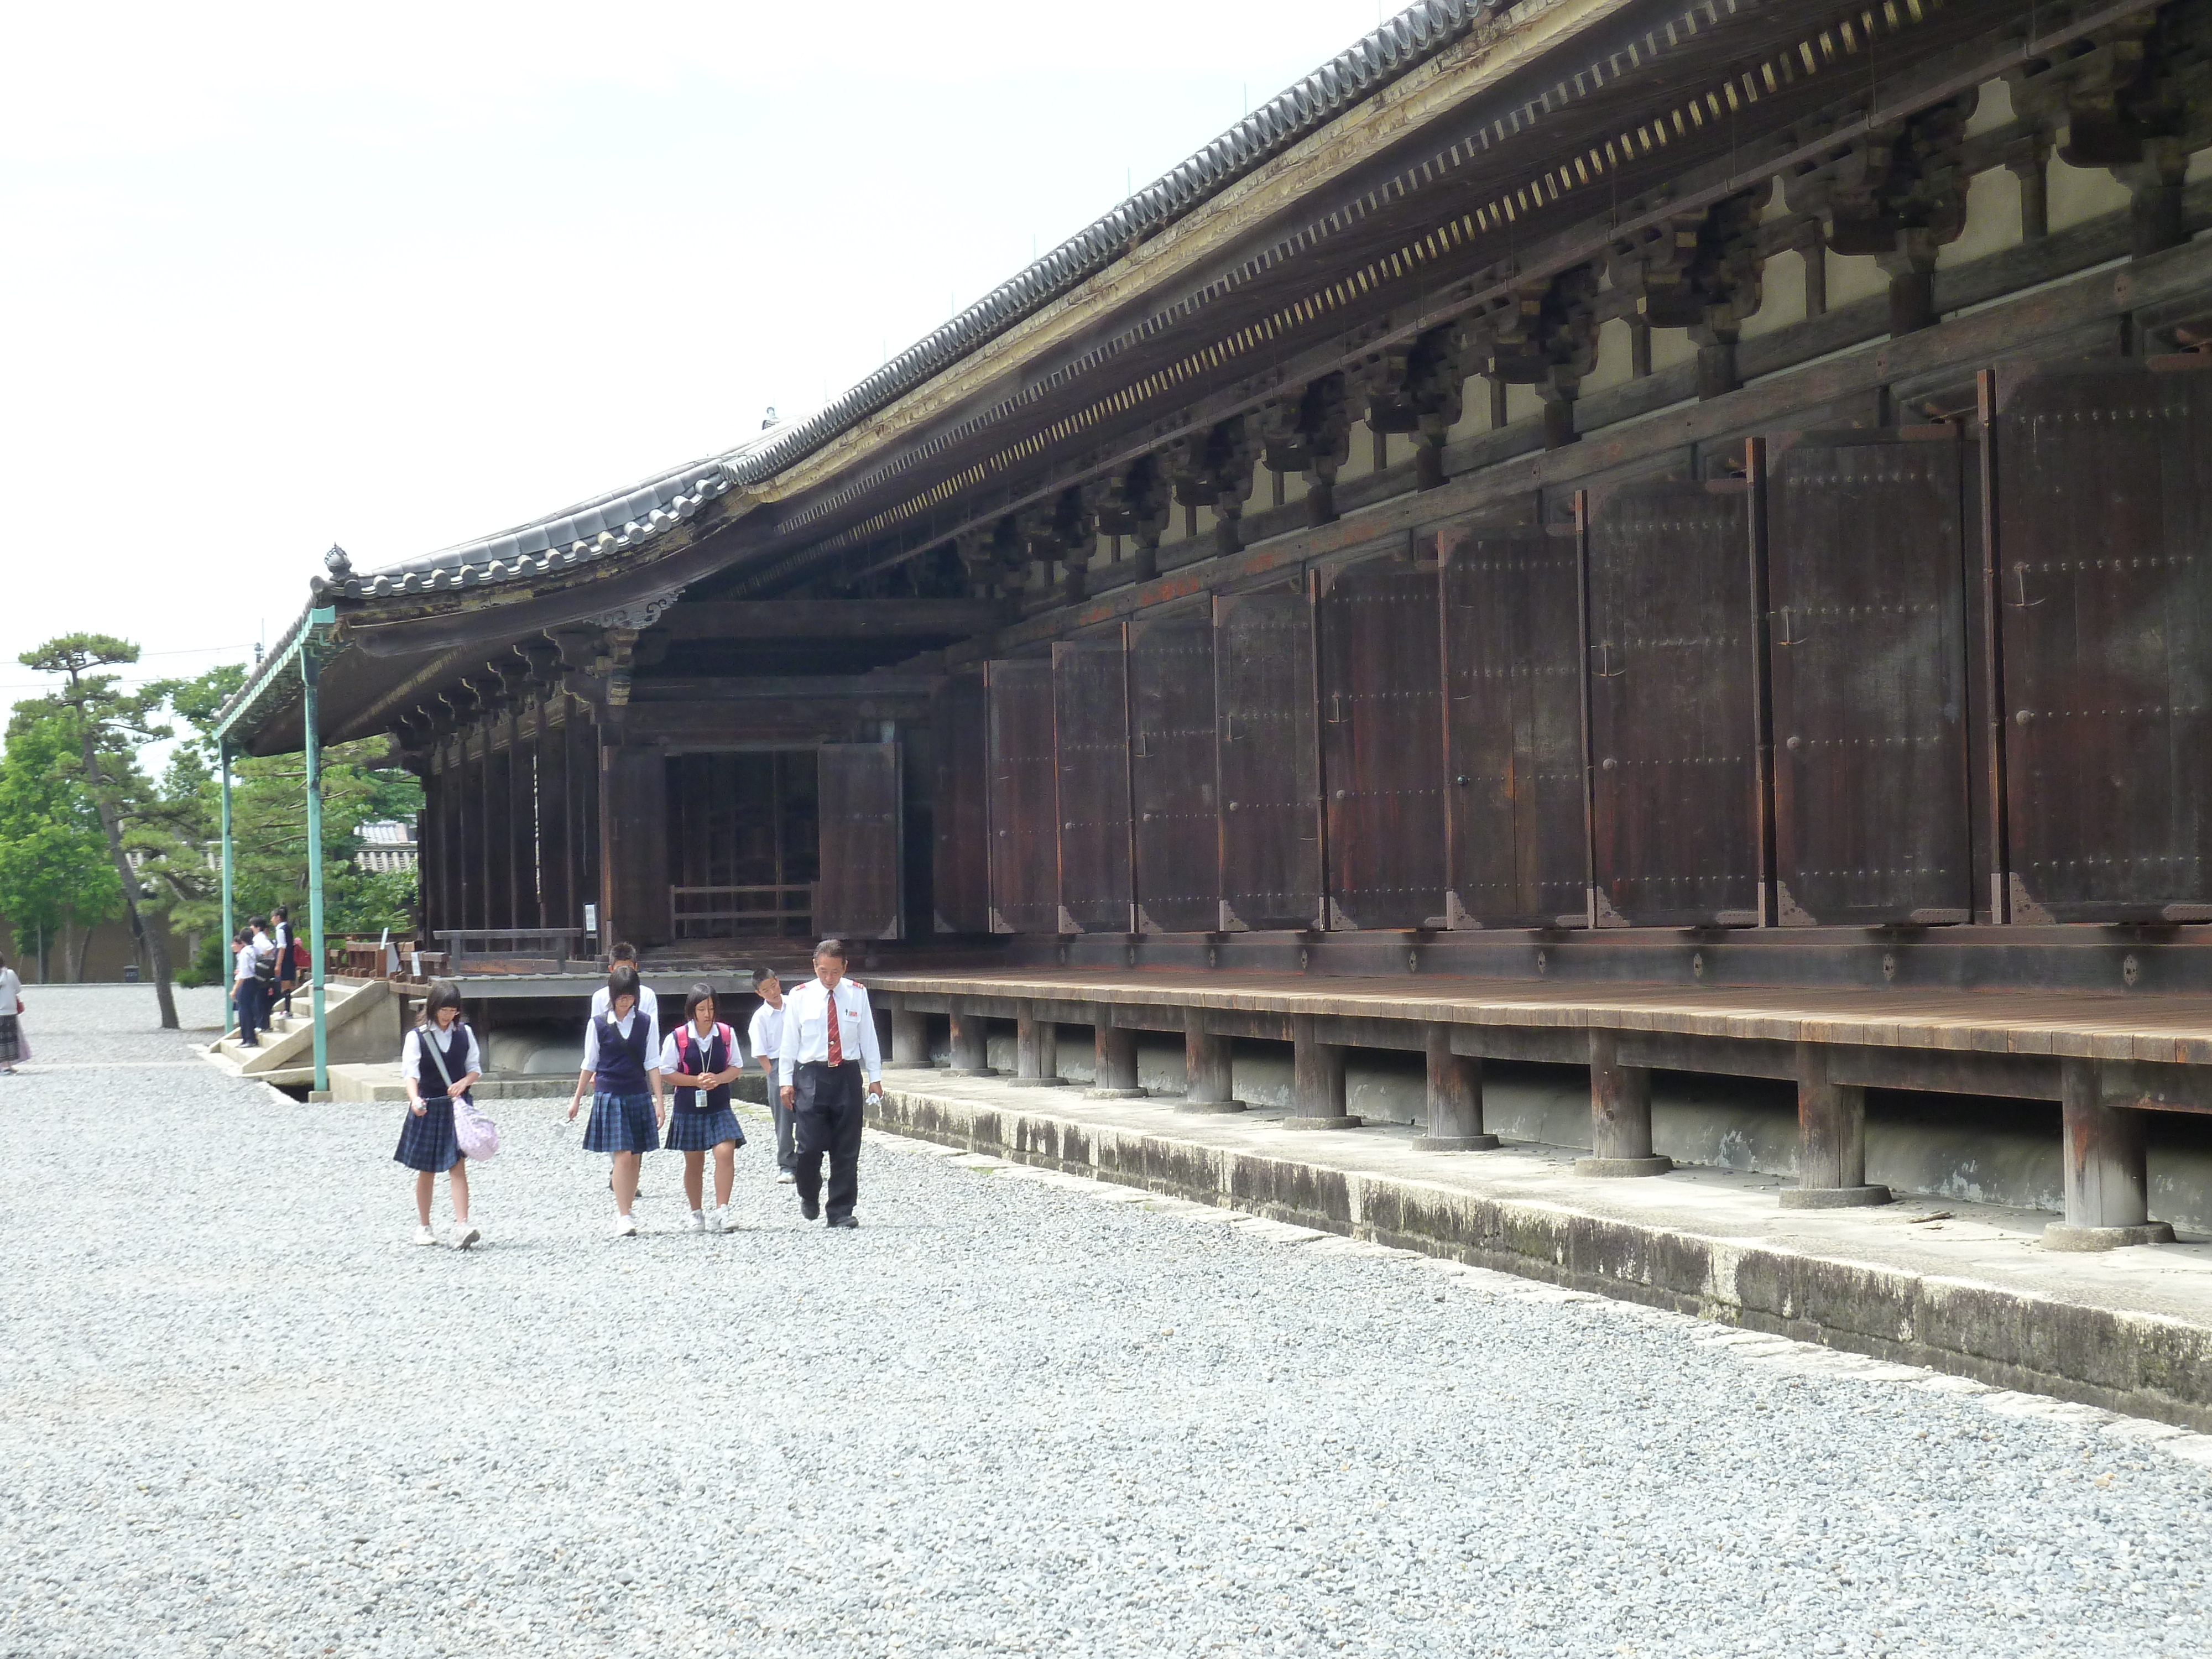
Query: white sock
x=697 y=1215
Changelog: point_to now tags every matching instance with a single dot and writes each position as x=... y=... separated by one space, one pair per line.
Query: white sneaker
x=722 y=1222
x=624 y=1227
x=698 y=1221
x=466 y=1236
x=785 y=1177
x=424 y=1236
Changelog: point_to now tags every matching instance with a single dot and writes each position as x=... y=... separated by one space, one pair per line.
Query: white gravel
x=244 y=1416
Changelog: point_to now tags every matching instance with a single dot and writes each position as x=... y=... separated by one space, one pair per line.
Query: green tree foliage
x=109 y=726
x=54 y=870
x=269 y=822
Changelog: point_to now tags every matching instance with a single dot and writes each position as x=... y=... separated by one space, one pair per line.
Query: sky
x=278 y=276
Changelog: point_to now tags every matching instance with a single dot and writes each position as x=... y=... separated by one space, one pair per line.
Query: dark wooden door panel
x=1263 y=675
x=1671 y=674
x=1866 y=603
x=856 y=895
x=1091 y=723
x=960 y=874
x=1512 y=644
x=1178 y=829
x=1381 y=744
x=1024 y=804
x=2105 y=600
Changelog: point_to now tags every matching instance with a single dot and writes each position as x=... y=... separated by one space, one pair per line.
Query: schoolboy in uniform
x=765 y=1038
x=828 y=1048
x=625 y=956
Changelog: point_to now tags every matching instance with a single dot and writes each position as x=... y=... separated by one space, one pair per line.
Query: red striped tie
x=836 y=1037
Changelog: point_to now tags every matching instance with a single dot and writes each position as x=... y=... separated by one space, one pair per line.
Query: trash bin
x=130 y=973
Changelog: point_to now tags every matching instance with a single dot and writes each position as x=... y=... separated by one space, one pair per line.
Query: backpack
x=686 y=1034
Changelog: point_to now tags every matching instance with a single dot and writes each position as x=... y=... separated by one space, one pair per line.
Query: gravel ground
x=244 y=1416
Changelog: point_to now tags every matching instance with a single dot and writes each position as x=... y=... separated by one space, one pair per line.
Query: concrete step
x=1944 y=1284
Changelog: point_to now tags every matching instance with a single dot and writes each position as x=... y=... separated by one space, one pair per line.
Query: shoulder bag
x=477 y=1134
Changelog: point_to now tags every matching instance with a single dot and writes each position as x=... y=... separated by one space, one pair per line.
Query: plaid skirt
x=427 y=1142
x=621 y=1124
x=12 y=1046
x=701 y=1128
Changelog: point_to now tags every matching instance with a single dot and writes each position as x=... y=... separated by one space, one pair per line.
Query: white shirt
x=648 y=1004
x=263 y=945
x=11 y=990
x=411 y=1055
x=245 y=955
x=807 y=1029
x=671 y=1065
x=623 y=1026
x=765 y=1035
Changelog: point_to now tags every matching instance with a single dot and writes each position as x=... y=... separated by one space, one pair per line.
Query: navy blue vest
x=455 y=1048
x=711 y=1055
x=621 y=1068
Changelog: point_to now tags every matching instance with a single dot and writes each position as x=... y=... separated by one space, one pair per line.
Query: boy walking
x=765 y=1037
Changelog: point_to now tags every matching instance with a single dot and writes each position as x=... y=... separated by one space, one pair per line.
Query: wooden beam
x=834 y=619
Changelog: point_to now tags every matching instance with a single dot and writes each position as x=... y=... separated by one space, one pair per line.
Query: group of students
x=815 y=1048
x=267 y=965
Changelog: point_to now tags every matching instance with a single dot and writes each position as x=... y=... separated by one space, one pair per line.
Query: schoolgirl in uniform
x=288 y=976
x=439 y=1060
x=624 y=1081
x=701 y=1059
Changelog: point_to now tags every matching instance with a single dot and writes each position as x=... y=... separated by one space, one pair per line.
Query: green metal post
x=311 y=672
x=229 y=909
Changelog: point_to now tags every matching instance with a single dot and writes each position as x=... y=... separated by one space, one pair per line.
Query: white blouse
x=410 y=1056
x=622 y=1026
x=670 y=1063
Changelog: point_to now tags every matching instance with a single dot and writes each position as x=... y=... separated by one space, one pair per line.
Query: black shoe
x=844 y=1221
x=809 y=1208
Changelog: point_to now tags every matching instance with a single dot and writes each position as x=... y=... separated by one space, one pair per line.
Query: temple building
x=1658 y=535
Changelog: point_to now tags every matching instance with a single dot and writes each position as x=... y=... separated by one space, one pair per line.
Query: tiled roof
x=626 y=518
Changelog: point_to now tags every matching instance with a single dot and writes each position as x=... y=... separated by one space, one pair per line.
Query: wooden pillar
x=1831 y=1140
x=909 y=1039
x=556 y=904
x=971 y=1052
x=468 y=805
x=429 y=870
x=521 y=827
x=1621 y=1114
x=1317 y=1080
x=1209 y=1077
x=584 y=822
x=491 y=842
x=1037 y=1049
x=1113 y=1058
x=2107 y=1180
x=1455 y=1099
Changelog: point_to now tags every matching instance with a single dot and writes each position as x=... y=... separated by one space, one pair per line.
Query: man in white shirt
x=827 y=1047
x=765 y=1038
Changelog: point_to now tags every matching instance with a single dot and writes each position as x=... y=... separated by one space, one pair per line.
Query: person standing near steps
x=829 y=1044
x=765 y=1038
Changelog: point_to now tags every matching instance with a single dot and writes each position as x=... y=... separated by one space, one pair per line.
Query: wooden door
x=1172 y=766
x=1518 y=821
x=960 y=866
x=1382 y=745
x=1090 y=726
x=1270 y=774
x=861 y=837
x=1024 y=804
x=2104 y=494
x=1672 y=677
x=1866 y=607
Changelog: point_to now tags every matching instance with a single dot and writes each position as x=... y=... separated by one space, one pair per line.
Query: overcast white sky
x=394 y=276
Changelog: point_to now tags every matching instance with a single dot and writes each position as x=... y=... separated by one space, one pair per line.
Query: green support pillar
x=229 y=907
x=311 y=672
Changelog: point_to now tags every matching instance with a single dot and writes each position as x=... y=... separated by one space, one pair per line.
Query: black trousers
x=253 y=1011
x=826 y=1105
